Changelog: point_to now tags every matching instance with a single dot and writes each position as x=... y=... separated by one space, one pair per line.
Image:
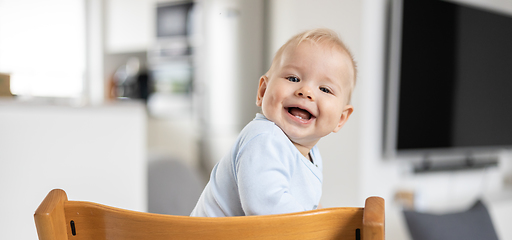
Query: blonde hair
x=318 y=35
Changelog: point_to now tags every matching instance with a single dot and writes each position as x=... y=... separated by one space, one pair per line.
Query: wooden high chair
x=59 y=219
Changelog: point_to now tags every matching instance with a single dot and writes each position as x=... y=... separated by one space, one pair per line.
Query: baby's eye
x=293 y=79
x=325 y=90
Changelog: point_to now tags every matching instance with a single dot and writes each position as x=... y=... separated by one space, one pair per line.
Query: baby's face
x=306 y=94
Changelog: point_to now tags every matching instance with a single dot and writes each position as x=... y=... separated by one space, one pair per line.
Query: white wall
x=95 y=154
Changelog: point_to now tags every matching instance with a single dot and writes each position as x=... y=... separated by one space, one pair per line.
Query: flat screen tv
x=450 y=79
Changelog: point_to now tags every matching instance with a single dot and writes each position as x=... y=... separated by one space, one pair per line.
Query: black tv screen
x=450 y=84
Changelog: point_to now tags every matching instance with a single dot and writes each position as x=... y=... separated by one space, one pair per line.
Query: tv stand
x=468 y=162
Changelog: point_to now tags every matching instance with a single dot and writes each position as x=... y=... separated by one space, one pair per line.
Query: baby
x=274 y=166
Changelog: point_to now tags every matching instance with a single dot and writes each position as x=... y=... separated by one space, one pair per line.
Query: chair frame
x=56 y=218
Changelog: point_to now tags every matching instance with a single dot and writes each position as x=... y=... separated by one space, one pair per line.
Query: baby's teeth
x=299 y=117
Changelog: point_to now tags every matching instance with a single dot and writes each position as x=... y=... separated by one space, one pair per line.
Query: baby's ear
x=344 y=117
x=261 y=90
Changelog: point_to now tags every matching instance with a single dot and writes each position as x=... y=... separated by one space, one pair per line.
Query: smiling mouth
x=299 y=113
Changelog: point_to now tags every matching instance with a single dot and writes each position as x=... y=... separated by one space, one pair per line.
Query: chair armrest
x=50 y=217
x=373 y=219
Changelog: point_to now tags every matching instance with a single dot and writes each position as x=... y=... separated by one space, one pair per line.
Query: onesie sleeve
x=264 y=169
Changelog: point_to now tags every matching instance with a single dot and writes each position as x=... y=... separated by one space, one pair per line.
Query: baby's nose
x=304 y=92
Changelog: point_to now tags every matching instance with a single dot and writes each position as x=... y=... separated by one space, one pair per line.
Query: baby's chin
x=304 y=141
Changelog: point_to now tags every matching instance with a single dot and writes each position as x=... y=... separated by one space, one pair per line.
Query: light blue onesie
x=264 y=173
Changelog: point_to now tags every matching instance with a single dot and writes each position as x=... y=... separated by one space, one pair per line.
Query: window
x=42 y=46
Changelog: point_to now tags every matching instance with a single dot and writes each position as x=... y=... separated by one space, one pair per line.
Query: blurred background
x=130 y=103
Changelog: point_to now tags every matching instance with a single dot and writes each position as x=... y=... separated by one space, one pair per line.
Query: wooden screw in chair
x=59 y=219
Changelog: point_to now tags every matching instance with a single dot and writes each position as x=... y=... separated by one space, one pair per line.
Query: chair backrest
x=59 y=219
